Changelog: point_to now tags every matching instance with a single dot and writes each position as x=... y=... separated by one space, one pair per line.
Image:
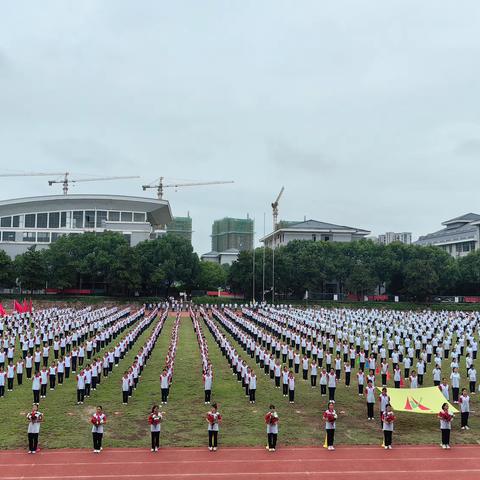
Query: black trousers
x=43 y=389
x=125 y=396
x=291 y=395
x=445 y=436
x=330 y=436
x=370 y=413
x=323 y=389
x=36 y=396
x=285 y=388
x=208 y=394
x=252 y=394
x=277 y=381
x=305 y=374
x=347 y=378
x=80 y=395
x=97 y=440
x=29 y=372
x=272 y=440
x=464 y=422
x=19 y=378
x=331 y=394
x=155 y=440
x=387 y=437
x=10 y=383
x=455 y=392
x=32 y=442
x=52 y=381
x=313 y=380
x=212 y=438
x=164 y=394
x=2 y=390
x=472 y=387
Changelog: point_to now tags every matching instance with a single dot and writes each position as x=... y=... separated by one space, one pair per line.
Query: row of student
x=214 y=420
x=132 y=375
x=315 y=342
x=415 y=379
x=63 y=366
x=239 y=367
x=166 y=376
x=88 y=378
x=350 y=353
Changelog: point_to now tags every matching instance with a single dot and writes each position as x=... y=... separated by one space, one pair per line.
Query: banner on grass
x=418 y=400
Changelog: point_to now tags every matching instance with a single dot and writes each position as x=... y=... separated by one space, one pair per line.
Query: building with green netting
x=236 y=233
x=181 y=226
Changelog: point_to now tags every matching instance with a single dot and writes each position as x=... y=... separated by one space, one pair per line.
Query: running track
x=359 y=463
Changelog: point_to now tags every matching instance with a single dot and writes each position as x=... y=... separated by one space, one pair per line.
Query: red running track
x=359 y=463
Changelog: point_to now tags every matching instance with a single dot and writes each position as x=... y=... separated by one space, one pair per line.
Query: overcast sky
x=367 y=112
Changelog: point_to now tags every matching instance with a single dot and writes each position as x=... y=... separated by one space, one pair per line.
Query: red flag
x=17 y=307
x=3 y=312
x=25 y=305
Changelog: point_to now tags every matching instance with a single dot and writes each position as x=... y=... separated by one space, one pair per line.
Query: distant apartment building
x=181 y=226
x=390 y=237
x=230 y=236
x=460 y=236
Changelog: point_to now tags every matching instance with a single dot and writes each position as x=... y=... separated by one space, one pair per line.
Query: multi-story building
x=39 y=221
x=181 y=226
x=229 y=233
x=312 y=230
x=460 y=236
x=390 y=237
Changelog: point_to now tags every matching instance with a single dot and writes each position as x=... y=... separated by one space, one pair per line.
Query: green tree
x=7 y=278
x=30 y=269
x=469 y=273
x=211 y=276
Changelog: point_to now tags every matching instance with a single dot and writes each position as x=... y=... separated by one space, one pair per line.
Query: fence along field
x=67 y=424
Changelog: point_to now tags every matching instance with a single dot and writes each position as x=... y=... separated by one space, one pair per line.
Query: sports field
x=67 y=424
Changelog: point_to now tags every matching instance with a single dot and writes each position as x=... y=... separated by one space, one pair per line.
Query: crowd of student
x=166 y=376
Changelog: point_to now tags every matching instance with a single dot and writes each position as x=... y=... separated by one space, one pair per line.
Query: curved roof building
x=42 y=220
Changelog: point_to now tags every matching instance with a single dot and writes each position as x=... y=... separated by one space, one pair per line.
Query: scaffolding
x=181 y=226
x=232 y=233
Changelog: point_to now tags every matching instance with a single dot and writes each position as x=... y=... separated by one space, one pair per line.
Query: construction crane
x=160 y=185
x=275 y=209
x=66 y=181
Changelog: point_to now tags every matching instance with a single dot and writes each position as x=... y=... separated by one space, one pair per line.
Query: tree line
x=158 y=267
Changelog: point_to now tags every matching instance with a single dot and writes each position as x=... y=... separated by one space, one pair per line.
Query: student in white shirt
x=455 y=378
x=98 y=420
x=155 y=421
x=34 y=419
x=464 y=401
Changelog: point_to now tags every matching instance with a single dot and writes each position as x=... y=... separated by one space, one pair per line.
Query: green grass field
x=67 y=425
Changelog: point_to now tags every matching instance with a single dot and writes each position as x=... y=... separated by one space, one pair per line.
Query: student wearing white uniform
x=252 y=386
x=164 y=384
x=213 y=419
x=207 y=385
x=98 y=420
x=155 y=421
x=464 y=401
x=329 y=418
x=34 y=419
x=271 y=419
x=472 y=377
x=370 y=394
x=388 y=419
x=455 y=378
x=444 y=388
x=125 y=387
x=36 y=388
x=445 y=425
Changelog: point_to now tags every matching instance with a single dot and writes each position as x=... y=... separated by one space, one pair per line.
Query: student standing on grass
x=34 y=419
x=291 y=387
x=98 y=420
x=445 y=425
x=36 y=382
x=332 y=385
x=361 y=381
x=370 y=392
x=329 y=418
x=213 y=419
x=323 y=382
x=207 y=385
x=464 y=401
x=80 y=388
x=125 y=387
x=455 y=378
x=164 y=384
x=388 y=419
x=155 y=420
x=271 y=419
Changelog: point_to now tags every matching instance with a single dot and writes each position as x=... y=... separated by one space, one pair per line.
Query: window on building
x=113 y=216
x=450 y=249
x=29 y=237
x=314 y=237
x=42 y=220
x=43 y=237
x=16 y=221
x=139 y=217
x=30 y=220
x=56 y=236
x=8 y=236
x=101 y=218
x=77 y=219
x=89 y=219
x=458 y=247
x=326 y=238
x=126 y=216
x=466 y=247
x=6 y=222
x=53 y=219
x=128 y=238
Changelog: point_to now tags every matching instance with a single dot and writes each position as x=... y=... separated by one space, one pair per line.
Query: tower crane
x=275 y=209
x=160 y=185
x=66 y=181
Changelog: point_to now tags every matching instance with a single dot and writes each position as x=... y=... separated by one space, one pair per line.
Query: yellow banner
x=418 y=400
